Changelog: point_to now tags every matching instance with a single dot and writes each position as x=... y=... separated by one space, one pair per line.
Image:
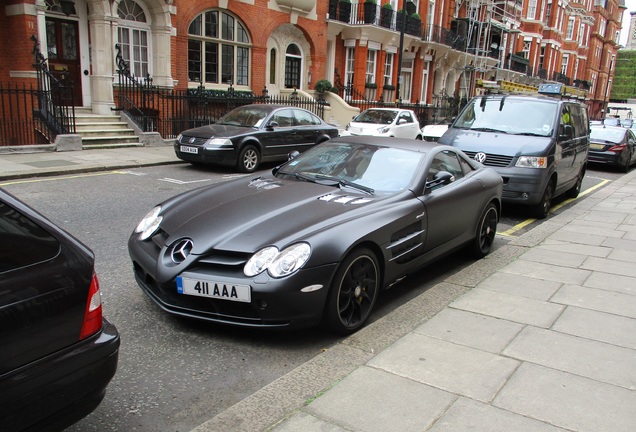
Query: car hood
x=216 y=130
x=246 y=214
x=494 y=142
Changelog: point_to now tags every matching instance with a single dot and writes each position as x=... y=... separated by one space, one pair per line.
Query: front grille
x=198 y=142
x=492 y=159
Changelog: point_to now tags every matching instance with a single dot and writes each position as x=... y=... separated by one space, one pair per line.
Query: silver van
x=538 y=144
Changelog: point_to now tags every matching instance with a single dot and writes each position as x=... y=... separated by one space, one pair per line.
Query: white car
x=385 y=122
x=432 y=132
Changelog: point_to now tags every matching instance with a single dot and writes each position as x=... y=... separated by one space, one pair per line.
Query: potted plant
x=333 y=9
x=371 y=85
x=370 y=11
x=401 y=20
x=323 y=86
x=386 y=15
x=414 y=24
x=345 y=11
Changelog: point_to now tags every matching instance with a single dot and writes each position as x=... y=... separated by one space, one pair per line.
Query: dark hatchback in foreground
x=57 y=351
x=316 y=239
x=612 y=145
x=251 y=134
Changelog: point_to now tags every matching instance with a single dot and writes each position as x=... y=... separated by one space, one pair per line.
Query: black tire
x=353 y=292
x=486 y=231
x=625 y=168
x=576 y=189
x=541 y=210
x=249 y=159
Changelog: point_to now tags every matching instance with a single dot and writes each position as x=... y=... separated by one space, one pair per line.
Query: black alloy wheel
x=576 y=189
x=353 y=293
x=249 y=159
x=542 y=209
x=486 y=231
x=625 y=168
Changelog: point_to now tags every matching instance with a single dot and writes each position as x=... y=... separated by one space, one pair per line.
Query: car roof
x=608 y=127
x=538 y=97
x=399 y=143
x=386 y=109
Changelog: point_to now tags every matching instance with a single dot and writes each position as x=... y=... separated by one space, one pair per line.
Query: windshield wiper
x=347 y=183
x=298 y=176
x=483 y=129
x=527 y=134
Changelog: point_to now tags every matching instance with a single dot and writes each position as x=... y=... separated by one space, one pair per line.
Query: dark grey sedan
x=612 y=145
x=251 y=134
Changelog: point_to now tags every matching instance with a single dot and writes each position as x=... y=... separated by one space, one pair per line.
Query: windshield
x=509 y=115
x=608 y=135
x=244 y=116
x=381 y=169
x=376 y=117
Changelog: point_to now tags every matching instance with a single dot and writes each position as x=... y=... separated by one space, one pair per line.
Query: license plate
x=597 y=146
x=212 y=289
x=186 y=149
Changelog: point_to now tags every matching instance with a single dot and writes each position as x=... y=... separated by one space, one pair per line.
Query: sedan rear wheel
x=353 y=293
x=625 y=168
x=249 y=159
x=486 y=231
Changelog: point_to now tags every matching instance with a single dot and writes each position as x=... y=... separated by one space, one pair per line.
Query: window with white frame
x=133 y=33
x=564 y=63
x=372 y=56
x=388 y=69
x=569 y=34
x=430 y=20
x=532 y=9
x=602 y=25
x=218 y=49
x=548 y=13
x=581 y=33
x=526 y=48
x=350 y=61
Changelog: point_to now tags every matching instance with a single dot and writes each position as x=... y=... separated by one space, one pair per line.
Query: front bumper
x=225 y=156
x=275 y=303
x=523 y=185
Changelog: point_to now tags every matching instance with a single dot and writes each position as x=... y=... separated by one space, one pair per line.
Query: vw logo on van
x=480 y=157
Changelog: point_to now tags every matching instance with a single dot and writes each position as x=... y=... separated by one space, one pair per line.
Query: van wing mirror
x=567 y=133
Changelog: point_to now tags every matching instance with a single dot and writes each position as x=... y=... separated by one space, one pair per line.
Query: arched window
x=134 y=35
x=218 y=49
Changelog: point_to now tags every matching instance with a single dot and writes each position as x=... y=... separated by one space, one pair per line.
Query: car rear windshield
x=23 y=242
x=607 y=134
x=521 y=116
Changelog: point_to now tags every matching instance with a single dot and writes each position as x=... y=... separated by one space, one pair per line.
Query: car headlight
x=532 y=162
x=179 y=137
x=149 y=223
x=384 y=129
x=278 y=264
x=218 y=142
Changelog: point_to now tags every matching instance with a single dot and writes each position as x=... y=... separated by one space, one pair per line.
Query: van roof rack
x=549 y=89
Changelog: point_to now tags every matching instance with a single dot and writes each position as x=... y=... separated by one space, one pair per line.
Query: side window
x=406 y=116
x=445 y=161
x=284 y=118
x=23 y=242
x=304 y=118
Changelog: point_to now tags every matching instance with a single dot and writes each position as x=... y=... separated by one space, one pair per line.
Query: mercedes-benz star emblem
x=181 y=250
x=480 y=157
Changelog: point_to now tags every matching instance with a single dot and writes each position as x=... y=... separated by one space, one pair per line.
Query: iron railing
x=18 y=125
x=55 y=106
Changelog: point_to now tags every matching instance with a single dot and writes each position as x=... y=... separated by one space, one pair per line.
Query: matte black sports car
x=319 y=237
x=57 y=351
x=251 y=134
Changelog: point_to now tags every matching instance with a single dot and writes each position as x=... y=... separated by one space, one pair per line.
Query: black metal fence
x=18 y=125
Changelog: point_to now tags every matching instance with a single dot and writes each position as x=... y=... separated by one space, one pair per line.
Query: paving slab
x=301 y=421
x=579 y=238
x=470 y=329
x=625 y=244
x=510 y=307
x=604 y=215
x=521 y=286
x=568 y=401
x=600 y=326
x=547 y=272
x=361 y=402
x=597 y=299
x=585 y=357
x=611 y=266
x=444 y=365
x=547 y=256
x=622 y=284
x=575 y=248
x=470 y=415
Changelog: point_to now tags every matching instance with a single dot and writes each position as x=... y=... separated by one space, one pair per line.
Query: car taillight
x=93 y=313
x=617 y=148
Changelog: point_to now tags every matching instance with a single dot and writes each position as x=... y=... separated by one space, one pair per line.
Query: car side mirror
x=440 y=179
x=271 y=125
x=293 y=155
x=401 y=121
x=567 y=133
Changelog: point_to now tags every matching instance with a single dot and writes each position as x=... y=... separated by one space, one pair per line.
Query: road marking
x=510 y=232
x=47 y=179
x=182 y=182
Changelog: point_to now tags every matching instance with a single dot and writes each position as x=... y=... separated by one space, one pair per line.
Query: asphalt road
x=174 y=374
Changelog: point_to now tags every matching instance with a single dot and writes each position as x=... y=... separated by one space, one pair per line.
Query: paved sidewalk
x=48 y=163
x=538 y=336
